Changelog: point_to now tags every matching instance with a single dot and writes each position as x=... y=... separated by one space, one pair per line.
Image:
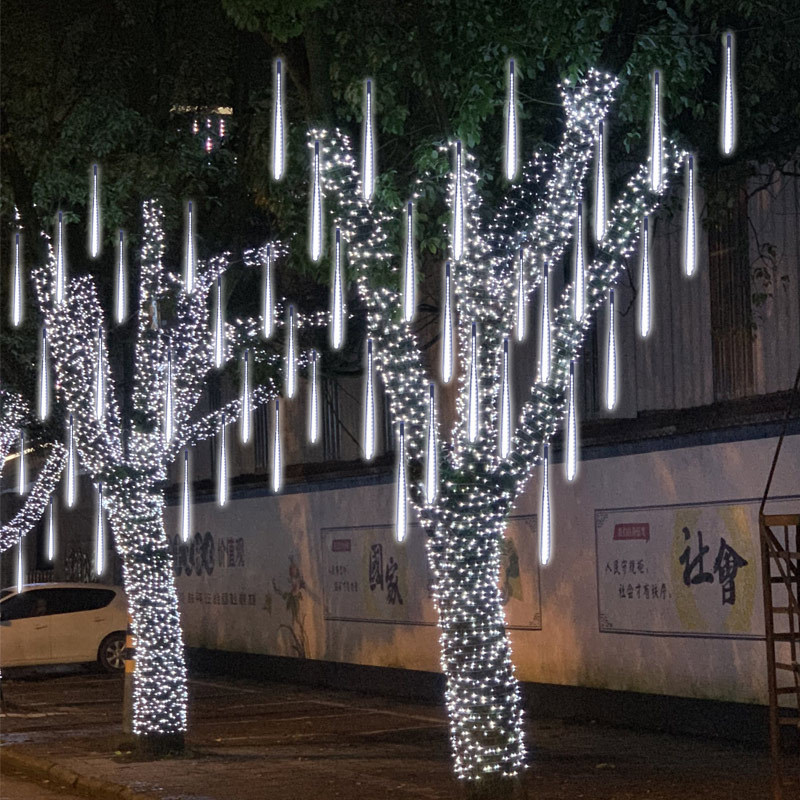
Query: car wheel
x=111 y=654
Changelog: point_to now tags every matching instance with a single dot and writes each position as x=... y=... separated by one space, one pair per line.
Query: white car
x=63 y=623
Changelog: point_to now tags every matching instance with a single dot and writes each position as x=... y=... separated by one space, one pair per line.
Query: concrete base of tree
x=494 y=789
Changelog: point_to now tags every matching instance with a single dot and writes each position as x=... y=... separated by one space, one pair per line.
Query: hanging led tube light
x=190 y=256
x=458 y=208
x=728 y=132
x=656 y=138
x=401 y=500
x=277 y=456
x=473 y=401
x=337 y=295
x=545 y=343
x=219 y=327
x=44 y=382
x=313 y=401
x=16 y=284
x=571 y=461
x=600 y=187
x=291 y=357
x=169 y=406
x=505 y=406
x=269 y=297
x=22 y=478
x=409 y=272
x=431 y=451
x=316 y=206
x=100 y=535
x=369 y=408
x=222 y=466
x=521 y=318
x=247 y=406
x=545 y=524
x=278 y=125
x=368 y=184
x=72 y=466
x=100 y=380
x=579 y=280
x=645 y=294
x=120 y=305
x=94 y=222
x=611 y=356
x=690 y=224
x=448 y=329
x=51 y=532
x=61 y=277
x=20 y=568
x=185 y=499
x=512 y=131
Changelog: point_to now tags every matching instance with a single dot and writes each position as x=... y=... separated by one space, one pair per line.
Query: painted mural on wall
x=368 y=577
x=680 y=571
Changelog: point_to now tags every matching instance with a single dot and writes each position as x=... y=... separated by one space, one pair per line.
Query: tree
x=488 y=459
x=127 y=458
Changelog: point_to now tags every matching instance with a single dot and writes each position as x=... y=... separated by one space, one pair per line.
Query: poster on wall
x=680 y=570
x=369 y=577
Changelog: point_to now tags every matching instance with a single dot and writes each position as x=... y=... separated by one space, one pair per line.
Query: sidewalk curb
x=87 y=785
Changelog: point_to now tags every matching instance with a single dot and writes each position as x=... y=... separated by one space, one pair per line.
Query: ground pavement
x=252 y=740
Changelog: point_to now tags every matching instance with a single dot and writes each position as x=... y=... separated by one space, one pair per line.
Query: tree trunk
x=483 y=700
x=159 y=689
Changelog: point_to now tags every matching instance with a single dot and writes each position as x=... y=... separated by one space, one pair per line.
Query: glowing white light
x=505 y=406
x=571 y=462
x=545 y=343
x=579 y=281
x=337 y=297
x=44 y=383
x=316 y=207
x=611 y=356
x=313 y=402
x=690 y=224
x=20 y=568
x=269 y=297
x=401 y=504
x=521 y=320
x=51 y=532
x=291 y=357
x=120 y=311
x=277 y=457
x=600 y=187
x=409 y=275
x=100 y=535
x=16 y=285
x=94 y=227
x=728 y=121
x=448 y=329
x=22 y=472
x=222 y=466
x=512 y=146
x=656 y=140
x=369 y=409
x=247 y=406
x=473 y=403
x=72 y=466
x=169 y=409
x=431 y=451
x=645 y=295
x=278 y=127
x=185 y=499
x=368 y=185
x=219 y=328
x=60 y=268
x=458 y=209
x=191 y=257
x=100 y=380
x=545 y=524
